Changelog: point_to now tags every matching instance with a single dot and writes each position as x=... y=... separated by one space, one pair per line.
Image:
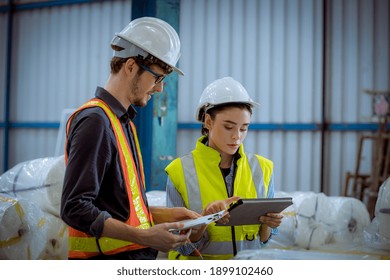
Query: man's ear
x=130 y=66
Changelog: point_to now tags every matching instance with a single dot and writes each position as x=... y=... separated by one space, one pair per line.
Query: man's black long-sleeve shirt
x=94 y=188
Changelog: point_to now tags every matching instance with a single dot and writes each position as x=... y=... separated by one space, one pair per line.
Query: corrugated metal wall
x=59 y=57
x=358 y=58
x=274 y=47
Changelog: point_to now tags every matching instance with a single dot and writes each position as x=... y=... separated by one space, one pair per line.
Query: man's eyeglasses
x=159 y=78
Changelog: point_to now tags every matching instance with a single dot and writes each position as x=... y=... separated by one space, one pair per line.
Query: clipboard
x=248 y=211
x=204 y=220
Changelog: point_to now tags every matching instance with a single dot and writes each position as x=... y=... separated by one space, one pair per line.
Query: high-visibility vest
x=198 y=179
x=82 y=245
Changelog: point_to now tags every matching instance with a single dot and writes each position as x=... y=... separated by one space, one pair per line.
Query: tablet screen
x=248 y=211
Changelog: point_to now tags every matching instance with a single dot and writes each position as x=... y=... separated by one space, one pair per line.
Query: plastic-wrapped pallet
x=39 y=180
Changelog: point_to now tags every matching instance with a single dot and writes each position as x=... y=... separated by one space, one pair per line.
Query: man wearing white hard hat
x=218 y=172
x=103 y=199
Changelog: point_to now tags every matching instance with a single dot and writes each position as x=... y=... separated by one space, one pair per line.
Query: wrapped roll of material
x=28 y=233
x=384 y=223
x=38 y=180
x=310 y=235
x=377 y=233
x=383 y=200
x=31 y=238
x=11 y=216
x=56 y=243
x=302 y=224
x=311 y=206
x=382 y=210
x=347 y=219
x=304 y=203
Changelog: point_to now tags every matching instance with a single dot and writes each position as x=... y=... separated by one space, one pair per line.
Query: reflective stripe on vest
x=191 y=179
x=82 y=245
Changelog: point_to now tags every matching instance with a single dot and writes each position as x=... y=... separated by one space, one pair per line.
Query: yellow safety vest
x=197 y=177
x=82 y=245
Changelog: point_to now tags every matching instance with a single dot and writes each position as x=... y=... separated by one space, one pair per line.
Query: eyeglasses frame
x=159 y=78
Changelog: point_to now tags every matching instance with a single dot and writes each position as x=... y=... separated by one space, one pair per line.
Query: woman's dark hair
x=219 y=108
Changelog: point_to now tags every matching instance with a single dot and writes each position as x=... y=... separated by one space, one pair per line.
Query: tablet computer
x=248 y=211
x=204 y=220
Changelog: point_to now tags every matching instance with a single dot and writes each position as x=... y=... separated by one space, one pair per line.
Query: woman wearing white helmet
x=218 y=171
x=103 y=199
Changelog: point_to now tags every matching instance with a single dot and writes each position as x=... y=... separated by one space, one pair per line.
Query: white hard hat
x=148 y=35
x=222 y=91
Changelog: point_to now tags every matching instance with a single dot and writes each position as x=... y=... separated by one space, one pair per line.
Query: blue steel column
x=165 y=107
x=324 y=165
x=157 y=122
x=7 y=87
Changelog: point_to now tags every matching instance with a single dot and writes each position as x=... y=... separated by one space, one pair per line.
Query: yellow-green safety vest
x=198 y=179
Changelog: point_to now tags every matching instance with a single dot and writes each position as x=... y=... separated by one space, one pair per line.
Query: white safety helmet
x=148 y=35
x=222 y=91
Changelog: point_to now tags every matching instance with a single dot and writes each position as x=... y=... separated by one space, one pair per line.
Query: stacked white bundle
x=28 y=233
x=38 y=180
x=311 y=209
x=302 y=225
x=315 y=220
